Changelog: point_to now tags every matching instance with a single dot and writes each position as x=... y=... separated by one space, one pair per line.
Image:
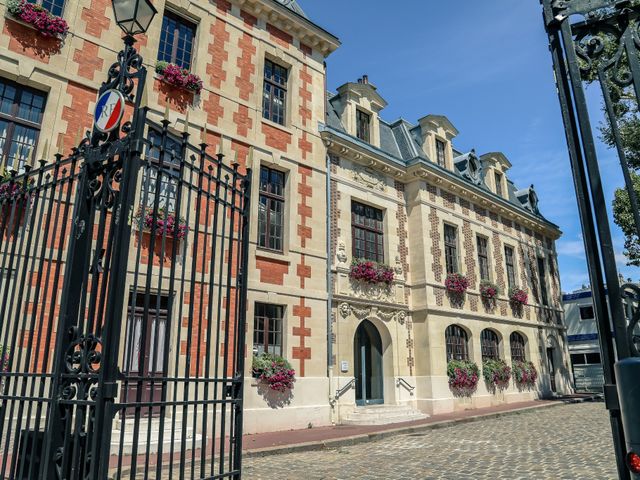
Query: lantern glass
x=133 y=16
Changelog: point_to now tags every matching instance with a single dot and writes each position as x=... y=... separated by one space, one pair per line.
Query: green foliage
x=14 y=6
x=160 y=66
x=627 y=117
x=623 y=216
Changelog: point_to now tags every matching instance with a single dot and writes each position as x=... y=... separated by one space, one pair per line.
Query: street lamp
x=133 y=16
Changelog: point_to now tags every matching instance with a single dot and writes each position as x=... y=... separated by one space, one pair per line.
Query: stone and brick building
x=333 y=181
x=402 y=194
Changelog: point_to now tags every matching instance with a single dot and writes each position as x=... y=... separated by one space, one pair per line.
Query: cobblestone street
x=566 y=442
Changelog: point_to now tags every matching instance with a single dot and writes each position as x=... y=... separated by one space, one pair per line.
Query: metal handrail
x=341 y=391
x=401 y=381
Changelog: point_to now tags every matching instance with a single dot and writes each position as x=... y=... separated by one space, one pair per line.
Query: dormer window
x=498 y=180
x=363 y=126
x=440 y=156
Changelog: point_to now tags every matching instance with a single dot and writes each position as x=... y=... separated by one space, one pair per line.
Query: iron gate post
x=565 y=40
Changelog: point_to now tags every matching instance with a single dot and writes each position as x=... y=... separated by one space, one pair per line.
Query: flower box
x=38 y=17
x=166 y=223
x=273 y=370
x=496 y=373
x=456 y=283
x=463 y=376
x=371 y=272
x=518 y=297
x=179 y=77
x=489 y=291
x=525 y=374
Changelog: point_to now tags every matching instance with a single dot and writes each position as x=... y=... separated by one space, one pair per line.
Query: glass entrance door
x=368 y=365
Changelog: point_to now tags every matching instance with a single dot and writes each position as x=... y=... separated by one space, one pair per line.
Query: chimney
x=365 y=79
x=360 y=80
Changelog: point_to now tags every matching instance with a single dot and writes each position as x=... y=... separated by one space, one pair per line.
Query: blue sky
x=486 y=66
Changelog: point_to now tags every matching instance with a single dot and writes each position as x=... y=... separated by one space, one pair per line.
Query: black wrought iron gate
x=598 y=41
x=122 y=306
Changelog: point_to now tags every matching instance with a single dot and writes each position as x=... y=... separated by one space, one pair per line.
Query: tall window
x=168 y=169
x=451 y=248
x=271 y=209
x=489 y=343
x=267 y=328
x=176 y=40
x=543 y=281
x=274 y=95
x=368 y=232
x=440 y=152
x=483 y=258
x=517 y=347
x=363 y=121
x=21 y=112
x=498 y=180
x=511 y=269
x=56 y=7
x=457 y=343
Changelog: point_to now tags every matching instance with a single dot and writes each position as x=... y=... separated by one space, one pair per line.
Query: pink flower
x=47 y=24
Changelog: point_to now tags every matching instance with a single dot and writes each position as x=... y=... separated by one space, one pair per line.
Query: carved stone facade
x=420 y=198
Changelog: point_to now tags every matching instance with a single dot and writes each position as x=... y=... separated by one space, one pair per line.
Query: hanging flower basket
x=518 y=297
x=179 y=77
x=463 y=377
x=456 y=283
x=371 y=272
x=40 y=18
x=496 y=373
x=166 y=223
x=489 y=291
x=274 y=370
x=525 y=374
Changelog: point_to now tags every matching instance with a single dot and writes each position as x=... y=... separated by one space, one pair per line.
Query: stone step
x=154 y=440
x=383 y=415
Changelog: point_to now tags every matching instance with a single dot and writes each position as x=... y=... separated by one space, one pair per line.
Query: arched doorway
x=368 y=364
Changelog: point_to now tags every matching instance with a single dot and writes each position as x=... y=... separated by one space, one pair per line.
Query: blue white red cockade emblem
x=109 y=110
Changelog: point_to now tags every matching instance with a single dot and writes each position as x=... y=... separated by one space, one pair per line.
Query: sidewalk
x=319 y=438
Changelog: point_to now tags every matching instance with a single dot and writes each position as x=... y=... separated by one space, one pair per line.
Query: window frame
x=483 y=257
x=378 y=232
x=268 y=113
x=441 y=153
x=456 y=342
x=170 y=173
x=180 y=21
x=271 y=198
x=590 y=307
x=517 y=344
x=451 y=249
x=13 y=121
x=266 y=330
x=489 y=345
x=544 y=297
x=497 y=179
x=510 y=267
x=363 y=129
x=43 y=3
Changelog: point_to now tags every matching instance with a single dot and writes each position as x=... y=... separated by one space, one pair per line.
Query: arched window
x=457 y=343
x=517 y=347
x=489 y=342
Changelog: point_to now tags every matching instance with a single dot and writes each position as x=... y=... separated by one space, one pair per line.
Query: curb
x=375 y=436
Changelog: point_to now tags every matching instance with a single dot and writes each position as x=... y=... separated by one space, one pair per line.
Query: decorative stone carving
x=369 y=178
x=341 y=254
x=360 y=312
x=372 y=291
x=398 y=267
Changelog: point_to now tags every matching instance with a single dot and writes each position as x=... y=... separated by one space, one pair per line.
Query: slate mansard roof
x=293 y=5
x=402 y=141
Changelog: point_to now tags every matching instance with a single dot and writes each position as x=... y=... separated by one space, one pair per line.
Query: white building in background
x=583 y=338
